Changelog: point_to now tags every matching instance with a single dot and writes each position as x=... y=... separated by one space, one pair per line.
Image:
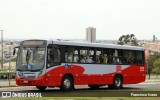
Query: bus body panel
x=83 y=75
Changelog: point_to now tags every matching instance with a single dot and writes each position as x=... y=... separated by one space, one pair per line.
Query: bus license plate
x=25 y=81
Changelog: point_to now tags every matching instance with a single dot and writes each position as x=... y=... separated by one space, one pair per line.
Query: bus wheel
x=67 y=83
x=94 y=86
x=41 y=88
x=117 y=83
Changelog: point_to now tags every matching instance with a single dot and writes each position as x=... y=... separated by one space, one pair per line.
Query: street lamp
x=2 y=48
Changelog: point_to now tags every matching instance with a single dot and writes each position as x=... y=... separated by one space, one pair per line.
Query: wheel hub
x=67 y=83
x=118 y=82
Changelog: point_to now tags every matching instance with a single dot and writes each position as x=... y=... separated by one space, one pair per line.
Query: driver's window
x=53 y=57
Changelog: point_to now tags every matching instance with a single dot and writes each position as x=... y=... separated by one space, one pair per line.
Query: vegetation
x=85 y=98
x=14 y=60
x=128 y=39
x=156 y=65
x=1 y=70
x=6 y=75
x=153 y=61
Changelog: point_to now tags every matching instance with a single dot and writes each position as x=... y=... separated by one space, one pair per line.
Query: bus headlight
x=20 y=73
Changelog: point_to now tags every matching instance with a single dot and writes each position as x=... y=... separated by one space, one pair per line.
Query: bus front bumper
x=30 y=82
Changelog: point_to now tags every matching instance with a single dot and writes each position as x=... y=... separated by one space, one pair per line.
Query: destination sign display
x=33 y=43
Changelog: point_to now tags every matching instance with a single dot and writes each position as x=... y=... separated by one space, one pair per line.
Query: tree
x=151 y=60
x=128 y=39
x=156 y=65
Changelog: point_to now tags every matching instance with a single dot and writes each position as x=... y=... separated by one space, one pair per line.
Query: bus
x=64 y=64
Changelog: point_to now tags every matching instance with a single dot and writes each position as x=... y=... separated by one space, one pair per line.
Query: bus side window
x=129 y=57
x=116 y=56
x=105 y=56
x=99 y=57
x=87 y=55
x=139 y=57
x=71 y=54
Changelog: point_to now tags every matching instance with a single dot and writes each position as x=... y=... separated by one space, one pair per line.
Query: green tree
x=128 y=39
x=156 y=65
x=151 y=59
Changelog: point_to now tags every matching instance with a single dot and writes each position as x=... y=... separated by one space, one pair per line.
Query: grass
x=7 y=69
x=87 y=98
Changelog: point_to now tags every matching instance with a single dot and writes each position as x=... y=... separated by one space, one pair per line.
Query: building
x=91 y=34
x=154 y=38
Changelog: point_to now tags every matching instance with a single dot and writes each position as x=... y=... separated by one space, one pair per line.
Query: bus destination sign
x=33 y=43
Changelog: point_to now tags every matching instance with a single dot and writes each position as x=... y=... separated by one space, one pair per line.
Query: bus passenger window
x=71 y=54
x=139 y=57
x=87 y=55
x=82 y=59
x=99 y=57
x=89 y=60
x=129 y=57
x=105 y=58
x=116 y=57
x=130 y=61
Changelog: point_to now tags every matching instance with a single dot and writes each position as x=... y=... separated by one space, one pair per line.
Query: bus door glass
x=53 y=57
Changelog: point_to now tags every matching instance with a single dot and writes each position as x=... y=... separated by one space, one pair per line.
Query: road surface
x=151 y=87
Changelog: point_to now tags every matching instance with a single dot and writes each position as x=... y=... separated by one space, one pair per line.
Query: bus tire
x=67 y=83
x=117 y=82
x=41 y=88
x=94 y=86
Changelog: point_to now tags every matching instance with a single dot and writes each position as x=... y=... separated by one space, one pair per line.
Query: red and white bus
x=63 y=64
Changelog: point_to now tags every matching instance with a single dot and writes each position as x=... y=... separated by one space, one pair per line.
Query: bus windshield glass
x=31 y=58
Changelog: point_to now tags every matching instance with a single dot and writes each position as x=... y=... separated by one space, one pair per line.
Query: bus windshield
x=31 y=58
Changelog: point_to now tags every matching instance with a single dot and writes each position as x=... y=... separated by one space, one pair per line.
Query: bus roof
x=99 y=45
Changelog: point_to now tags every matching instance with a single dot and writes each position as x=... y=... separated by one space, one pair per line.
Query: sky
x=68 y=19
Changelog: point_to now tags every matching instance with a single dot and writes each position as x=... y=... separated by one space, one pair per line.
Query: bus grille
x=31 y=77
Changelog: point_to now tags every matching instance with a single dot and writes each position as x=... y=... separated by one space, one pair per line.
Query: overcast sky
x=69 y=18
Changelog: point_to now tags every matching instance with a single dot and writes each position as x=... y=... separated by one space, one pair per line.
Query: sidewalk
x=152 y=79
x=5 y=83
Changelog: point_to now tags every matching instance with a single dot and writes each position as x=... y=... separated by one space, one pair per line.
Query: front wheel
x=67 y=83
x=41 y=88
x=117 y=83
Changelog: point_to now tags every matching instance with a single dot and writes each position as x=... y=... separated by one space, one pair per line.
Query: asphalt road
x=84 y=91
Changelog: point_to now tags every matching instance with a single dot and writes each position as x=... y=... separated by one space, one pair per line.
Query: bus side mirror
x=14 y=50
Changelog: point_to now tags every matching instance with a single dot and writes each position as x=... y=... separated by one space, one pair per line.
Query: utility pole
x=9 y=65
x=2 y=48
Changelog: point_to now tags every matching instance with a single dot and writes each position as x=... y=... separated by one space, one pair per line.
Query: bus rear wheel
x=117 y=83
x=67 y=83
x=41 y=88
